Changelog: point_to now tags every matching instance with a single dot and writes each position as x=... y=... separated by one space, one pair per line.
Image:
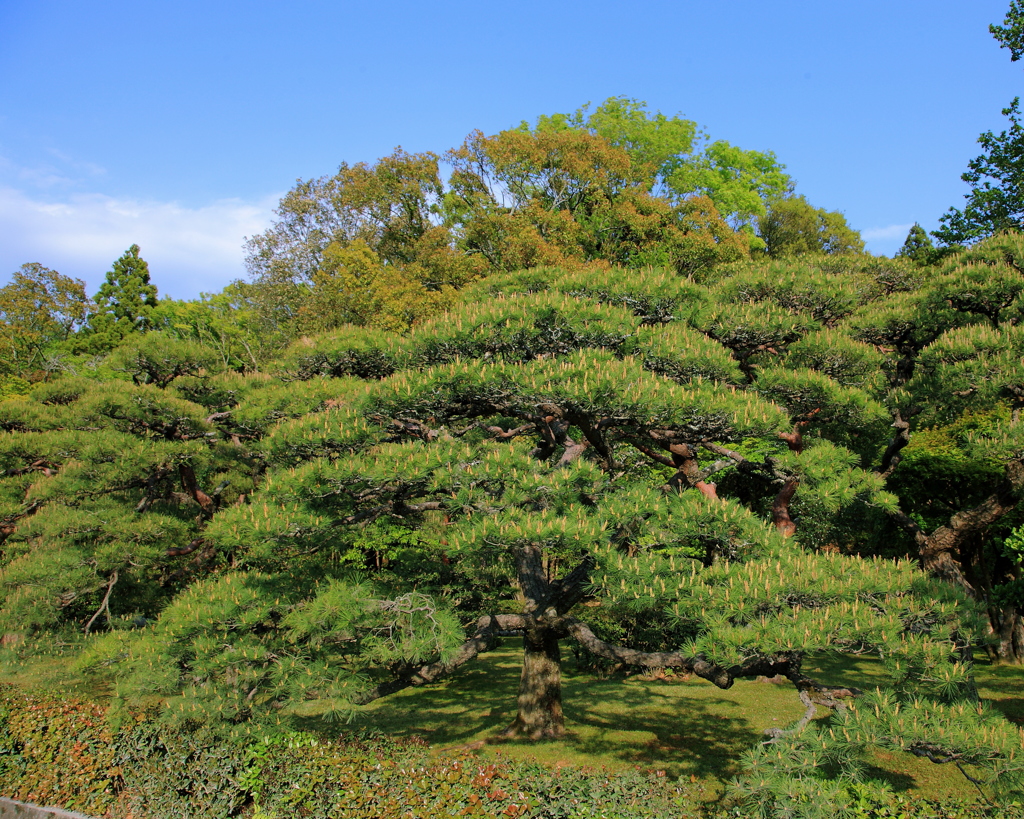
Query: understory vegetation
x=611 y=388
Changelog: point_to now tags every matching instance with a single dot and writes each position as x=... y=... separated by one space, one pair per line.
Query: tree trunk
x=1008 y=627
x=546 y=604
x=540 y=688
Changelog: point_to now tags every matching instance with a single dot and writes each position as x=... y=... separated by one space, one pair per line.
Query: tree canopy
x=674 y=158
x=714 y=476
x=996 y=200
x=39 y=309
x=124 y=301
x=614 y=186
x=542 y=399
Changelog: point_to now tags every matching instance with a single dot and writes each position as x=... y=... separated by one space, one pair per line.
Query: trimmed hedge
x=132 y=766
x=70 y=753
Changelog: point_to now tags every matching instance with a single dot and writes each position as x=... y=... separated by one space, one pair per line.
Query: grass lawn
x=683 y=726
x=689 y=729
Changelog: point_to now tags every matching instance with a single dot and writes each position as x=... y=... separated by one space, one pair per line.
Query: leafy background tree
x=996 y=176
x=790 y=226
x=40 y=310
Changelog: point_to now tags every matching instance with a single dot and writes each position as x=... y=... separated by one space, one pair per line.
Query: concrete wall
x=12 y=809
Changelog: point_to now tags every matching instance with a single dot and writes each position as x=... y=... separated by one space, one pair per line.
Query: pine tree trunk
x=540 y=687
x=1008 y=627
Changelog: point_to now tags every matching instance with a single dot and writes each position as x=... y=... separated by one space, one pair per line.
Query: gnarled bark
x=539 y=713
x=940 y=551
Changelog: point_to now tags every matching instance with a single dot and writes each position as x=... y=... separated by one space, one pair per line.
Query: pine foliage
x=564 y=454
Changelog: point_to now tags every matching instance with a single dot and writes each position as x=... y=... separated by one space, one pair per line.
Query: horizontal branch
x=786 y=663
x=487 y=629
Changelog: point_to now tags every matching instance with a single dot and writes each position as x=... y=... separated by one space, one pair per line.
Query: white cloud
x=885 y=234
x=189 y=250
x=885 y=241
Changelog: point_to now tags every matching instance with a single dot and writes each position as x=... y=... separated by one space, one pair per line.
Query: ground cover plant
x=643 y=746
x=576 y=396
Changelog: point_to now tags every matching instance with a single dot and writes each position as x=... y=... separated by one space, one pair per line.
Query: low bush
x=57 y=751
x=119 y=765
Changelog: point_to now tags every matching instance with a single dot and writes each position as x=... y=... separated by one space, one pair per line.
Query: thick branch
x=566 y=592
x=794 y=440
x=938 y=551
x=572 y=451
x=42 y=465
x=780 y=508
x=188 y=481
x=179 y=551
x=487 y=629
x=810 y=710
x=893 y=453
x=785 y=663
x=683 y=458
x=594 y=435
x=507 y=434
x=718 y=449
x=195 y=563
x=8 y=525
x=657 y=457
x=530 y=571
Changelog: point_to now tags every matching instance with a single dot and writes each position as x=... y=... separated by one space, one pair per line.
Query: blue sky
x=178 y=125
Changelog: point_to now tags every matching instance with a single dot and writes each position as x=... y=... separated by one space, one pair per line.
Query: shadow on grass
x=685 y=728
x=1003 y=686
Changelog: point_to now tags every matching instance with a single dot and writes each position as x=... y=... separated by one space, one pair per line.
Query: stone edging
x=13 y=809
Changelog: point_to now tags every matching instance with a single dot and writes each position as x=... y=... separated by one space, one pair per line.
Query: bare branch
x=105 y=605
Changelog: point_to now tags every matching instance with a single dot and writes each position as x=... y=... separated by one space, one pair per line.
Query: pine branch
x=105 y=604
x=487 y=629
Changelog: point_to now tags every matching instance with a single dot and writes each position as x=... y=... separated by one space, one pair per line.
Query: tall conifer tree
x=125 y=301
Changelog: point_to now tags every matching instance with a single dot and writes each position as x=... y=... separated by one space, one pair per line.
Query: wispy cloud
x=885 y=241
x=189 y=249
x=887 y=234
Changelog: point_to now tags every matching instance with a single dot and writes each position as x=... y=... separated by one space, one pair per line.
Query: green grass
x=683 y=726
x=689 y=729
x=1003 y=686
x=50 y=666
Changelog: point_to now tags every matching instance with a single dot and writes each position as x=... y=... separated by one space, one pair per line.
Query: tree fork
x=788 y=664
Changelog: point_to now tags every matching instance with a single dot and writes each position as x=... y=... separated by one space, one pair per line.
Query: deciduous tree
x=996 y=176
x=793 y=227
x=39 y=309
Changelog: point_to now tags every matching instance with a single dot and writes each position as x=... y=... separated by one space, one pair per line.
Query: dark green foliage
x=994 y=203
x=689 y=466
x=125 y=302
x=919 y=247
x=157 y=359
x=347 y=352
